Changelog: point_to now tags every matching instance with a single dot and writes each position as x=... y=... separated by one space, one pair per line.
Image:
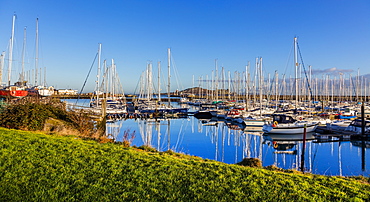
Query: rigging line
x=354 y=88
x=138 y=85
x=103 y=81
x=281 y=87
x=121 y=88
x=268 y=95
x=83 y=86
x=314 y=157
x=176 y=73
x=288 y=60
x=305 y=72
x=179 y=137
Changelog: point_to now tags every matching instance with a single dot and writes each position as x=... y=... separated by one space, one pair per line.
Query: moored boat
x=338 y=125
x=41 y=91
x=285 y=124
x=356 y=126
x=13 y=92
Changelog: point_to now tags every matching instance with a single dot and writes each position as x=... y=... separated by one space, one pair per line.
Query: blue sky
x=331 y=34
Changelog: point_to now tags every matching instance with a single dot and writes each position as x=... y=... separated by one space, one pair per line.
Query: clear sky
x=332 y=35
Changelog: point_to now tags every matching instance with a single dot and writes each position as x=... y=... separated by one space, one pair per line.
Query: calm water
x=221 y=143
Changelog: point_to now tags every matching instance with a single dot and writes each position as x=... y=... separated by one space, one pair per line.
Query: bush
x=251 y=162
x=29 y=116
x=128 y=138
x=147 y=148
x=32 y=115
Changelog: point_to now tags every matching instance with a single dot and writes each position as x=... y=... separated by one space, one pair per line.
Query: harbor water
x=221 y=141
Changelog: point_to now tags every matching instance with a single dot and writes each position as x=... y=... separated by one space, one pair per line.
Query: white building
x=67 y=92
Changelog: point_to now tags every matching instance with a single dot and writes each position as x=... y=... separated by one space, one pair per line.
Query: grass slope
x=39 y=167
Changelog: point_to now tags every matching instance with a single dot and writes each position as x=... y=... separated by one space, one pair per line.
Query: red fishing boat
x=13 y=91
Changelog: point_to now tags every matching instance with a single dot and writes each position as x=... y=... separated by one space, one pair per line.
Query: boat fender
x=275 y=144
x=275 y=124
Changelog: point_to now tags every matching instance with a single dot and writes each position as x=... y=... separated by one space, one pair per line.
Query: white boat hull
x=290 y=128
x=254 y=123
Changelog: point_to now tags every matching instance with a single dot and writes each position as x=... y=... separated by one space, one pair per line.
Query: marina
x=229 y=142
x=184 y=100
x=224 y=117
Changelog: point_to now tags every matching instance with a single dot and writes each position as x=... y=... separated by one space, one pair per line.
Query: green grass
x=39 y=167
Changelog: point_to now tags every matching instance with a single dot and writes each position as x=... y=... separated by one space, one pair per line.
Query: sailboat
x=285 y=124
x=39 y=90
x=18 y=89
x=108 y=95
x=151 y=106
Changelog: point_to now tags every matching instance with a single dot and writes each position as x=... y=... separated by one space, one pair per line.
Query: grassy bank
x=39 y=167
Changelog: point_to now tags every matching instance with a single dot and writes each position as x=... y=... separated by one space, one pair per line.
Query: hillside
x=39 y=167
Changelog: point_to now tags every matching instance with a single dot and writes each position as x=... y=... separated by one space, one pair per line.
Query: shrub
x=128 y=137
x=147 y=148
x=251 y=162
x=29 y=116
x=274 y=168
x=32 y=114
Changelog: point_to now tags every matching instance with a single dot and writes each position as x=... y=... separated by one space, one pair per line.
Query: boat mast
x=310 y=96
x=207 y=88
x=222 y=83
x=276 y=89
x=296 y=71
x=216 y=80
x=169 y=75
x=105 y=79
x=255 y=84
x=247 y=86
x=113 y=80
x=21 y=79
x=159 y=81
x=2 y=59
x=37 y=50
x=229 y=85
x=149 y=81
x=357 y=84
x=44 y=77
x=260 y=84
x=98 y=76
x=192 y=89
x=212 y=86
x=11 y=51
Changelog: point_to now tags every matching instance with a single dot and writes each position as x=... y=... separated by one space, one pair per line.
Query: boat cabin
x=283 y=118
x=356 y=126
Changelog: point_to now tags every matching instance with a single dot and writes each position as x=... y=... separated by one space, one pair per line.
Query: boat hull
x=205 y=114
x=289 y=128
x=254 y=123
x=164 y=110
x=13 y=93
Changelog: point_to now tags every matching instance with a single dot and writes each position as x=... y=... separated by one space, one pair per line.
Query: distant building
x=67 y=92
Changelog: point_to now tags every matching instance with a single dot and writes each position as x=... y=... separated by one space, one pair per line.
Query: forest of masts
x=304 y=87
x=253 y=84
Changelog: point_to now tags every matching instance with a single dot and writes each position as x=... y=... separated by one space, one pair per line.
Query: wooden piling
x=303 y=147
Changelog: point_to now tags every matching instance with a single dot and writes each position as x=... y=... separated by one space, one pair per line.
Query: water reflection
x=230 y=143
x=288 y=150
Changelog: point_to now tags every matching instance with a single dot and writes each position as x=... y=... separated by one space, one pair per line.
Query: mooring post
x=304 y=147
x=363 y=136
x=362 y=120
